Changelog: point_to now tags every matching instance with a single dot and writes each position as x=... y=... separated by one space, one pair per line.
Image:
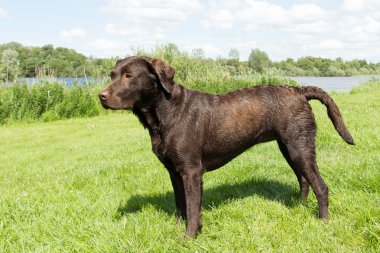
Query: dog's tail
x=311 y=92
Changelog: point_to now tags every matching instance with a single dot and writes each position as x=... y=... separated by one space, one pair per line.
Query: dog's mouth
x=105 y=106
x=112 y=107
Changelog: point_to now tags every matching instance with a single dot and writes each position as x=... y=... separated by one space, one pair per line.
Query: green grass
x=93 y=185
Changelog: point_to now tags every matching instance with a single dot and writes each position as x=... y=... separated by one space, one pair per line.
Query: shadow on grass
x=216 y=196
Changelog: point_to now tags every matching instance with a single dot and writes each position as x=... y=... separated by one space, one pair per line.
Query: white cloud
x=219 y=19
x=260 y=14
x=306 y=13
x=360 y=31
x=358 y=35
x=372 y=26
x=304 y=38
x=220 y=14
x=137 y=34
x=148 y=22
x=3 y=13
x=256 y=15
x=371 y=7
x=353 y=5
x=310 y=28
x=130 y=31
x=243 y=43
x=164 y=10
x=73 y=33
x=330 y=44
x=159 y=36
x=104 y=44
x=209 y=49
x=102 y=47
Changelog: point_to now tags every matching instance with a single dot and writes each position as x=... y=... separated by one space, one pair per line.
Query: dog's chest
x=159 y=147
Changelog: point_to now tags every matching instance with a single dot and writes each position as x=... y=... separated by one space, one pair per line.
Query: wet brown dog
x=193 y=132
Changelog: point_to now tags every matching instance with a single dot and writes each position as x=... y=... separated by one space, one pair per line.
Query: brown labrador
x=194 y=132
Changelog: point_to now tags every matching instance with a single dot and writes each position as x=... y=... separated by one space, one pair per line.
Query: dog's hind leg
x=302 y=154
x=304 y=184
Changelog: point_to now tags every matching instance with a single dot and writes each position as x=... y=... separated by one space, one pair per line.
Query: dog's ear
x=164 y=73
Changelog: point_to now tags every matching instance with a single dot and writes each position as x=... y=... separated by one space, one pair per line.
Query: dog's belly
x=227 y=149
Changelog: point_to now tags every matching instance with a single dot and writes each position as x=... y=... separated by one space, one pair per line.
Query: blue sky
x=104 y=28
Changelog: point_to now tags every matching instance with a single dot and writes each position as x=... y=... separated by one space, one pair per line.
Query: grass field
x=93 y=185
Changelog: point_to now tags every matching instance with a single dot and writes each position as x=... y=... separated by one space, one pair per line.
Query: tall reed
x=47 y=101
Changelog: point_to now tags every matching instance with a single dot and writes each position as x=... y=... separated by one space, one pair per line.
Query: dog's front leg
x=192 y=181
x=179 y=194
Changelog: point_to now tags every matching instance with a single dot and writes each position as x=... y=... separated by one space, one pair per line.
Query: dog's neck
x=154 y=116
x=148 y=119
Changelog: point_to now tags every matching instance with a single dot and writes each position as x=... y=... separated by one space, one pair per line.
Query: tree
x=10 y=62
x=167 y=52
x=198 y=53
x=233 y=57
x=233 y=54
x=259 y=60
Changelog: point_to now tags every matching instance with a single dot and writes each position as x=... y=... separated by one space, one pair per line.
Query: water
x=335 y=83
x=67 y=80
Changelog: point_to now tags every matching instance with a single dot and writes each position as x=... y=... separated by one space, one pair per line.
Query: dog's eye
x=127 y=75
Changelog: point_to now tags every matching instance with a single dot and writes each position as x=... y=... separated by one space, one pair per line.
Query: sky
x=284 y=29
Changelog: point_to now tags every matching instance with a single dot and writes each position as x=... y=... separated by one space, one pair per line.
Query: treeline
x=260 y=62
x=19 y=61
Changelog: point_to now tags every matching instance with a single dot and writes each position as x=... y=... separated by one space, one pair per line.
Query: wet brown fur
x=194 y=132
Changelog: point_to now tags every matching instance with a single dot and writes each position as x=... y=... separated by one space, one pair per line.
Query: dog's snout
x=103 y=95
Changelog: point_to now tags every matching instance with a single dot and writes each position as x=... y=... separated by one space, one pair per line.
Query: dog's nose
x=103 y=95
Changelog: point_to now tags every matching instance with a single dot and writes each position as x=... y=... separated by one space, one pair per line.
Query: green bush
x=219 y=87
x=47 y=101
x=78 y=101
x=189 y=67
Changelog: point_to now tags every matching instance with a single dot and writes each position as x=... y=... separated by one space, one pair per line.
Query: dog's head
x=136 y=82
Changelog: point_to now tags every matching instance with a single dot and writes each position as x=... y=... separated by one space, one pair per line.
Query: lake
x=335 y=83
x=326 y=83
x=68 y=80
